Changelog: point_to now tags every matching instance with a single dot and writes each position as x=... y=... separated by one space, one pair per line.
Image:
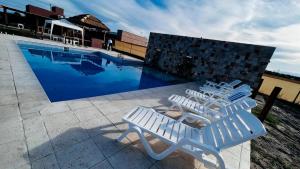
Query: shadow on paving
x=75 y=147
x=98 y=148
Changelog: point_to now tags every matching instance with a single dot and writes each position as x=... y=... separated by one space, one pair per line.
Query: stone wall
x=199 y=58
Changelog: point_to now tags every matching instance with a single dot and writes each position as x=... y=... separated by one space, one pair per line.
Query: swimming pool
x=74 y=74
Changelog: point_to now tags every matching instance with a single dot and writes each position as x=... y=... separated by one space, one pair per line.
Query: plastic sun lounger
x=211 y=87
x=223 y=84
x=186 y=105
x=205 y=95
x=230 y=131
x=209 y=115
x=210 y=100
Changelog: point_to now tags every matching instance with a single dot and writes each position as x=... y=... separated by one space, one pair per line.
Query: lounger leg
x=176 y=107
x=180 y=108
x=130 y=129
x=172 y=106
x=147 y=146
x=161 y=155
x=150 y=151
x=220 y=161
x=183 y=117
x=186 y=117
x=189 y=97
x=207 y=150
x=197 y=99
x=183 y=113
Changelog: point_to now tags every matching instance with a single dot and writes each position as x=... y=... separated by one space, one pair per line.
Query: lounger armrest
x=213 y=84
x=222 y=85
x=210 y=83
x=221 y=93
x=226 y=87
x=195 y=116
x=205 y=91
x=212 y=98
x=220 y=102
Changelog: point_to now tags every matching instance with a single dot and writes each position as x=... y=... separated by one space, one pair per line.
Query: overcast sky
x=265 y=22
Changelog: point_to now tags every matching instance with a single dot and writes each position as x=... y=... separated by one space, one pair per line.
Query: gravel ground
x=280 y=148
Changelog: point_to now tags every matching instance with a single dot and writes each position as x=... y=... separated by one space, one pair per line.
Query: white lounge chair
x=211 y=109
x=206 y=100
x=222 y=85
x=217 y=92
x=208 y=115
x=232 y=130
x=213 y=88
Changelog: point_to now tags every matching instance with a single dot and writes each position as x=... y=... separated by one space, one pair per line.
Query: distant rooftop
x=88 y=20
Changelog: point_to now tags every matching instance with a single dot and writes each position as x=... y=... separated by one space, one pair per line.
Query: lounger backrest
x=234 y=83
x=246 y=104
x=236 y=128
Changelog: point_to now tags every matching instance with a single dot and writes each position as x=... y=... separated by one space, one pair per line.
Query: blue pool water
x=75 y=74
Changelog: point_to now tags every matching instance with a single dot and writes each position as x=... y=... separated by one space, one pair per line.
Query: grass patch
x=271 y=119
x=256 y=111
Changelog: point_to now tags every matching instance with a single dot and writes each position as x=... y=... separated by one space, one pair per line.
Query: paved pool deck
x=80 y=134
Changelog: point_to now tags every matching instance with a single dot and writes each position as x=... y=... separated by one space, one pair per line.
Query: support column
x=5 y=15
x=82 y=34
x=36 y=25
x=51 y=30
x=269 y=103
x=294 y=101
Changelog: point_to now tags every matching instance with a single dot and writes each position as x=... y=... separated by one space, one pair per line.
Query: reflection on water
x=87 y=64
x=79 y=74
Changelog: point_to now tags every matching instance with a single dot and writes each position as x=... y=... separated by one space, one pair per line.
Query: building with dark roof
x=88 y=21
x=96 y=33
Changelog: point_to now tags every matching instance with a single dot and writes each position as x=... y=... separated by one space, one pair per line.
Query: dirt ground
x=280 y=148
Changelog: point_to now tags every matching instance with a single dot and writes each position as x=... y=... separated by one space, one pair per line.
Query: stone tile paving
x=36 y=133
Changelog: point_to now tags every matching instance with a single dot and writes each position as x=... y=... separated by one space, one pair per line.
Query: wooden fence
x=130 y=48
x=290 y=88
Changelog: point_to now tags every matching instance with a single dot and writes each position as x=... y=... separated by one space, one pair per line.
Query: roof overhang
x=64 y=23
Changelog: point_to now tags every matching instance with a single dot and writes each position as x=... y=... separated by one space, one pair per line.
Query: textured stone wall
x=198 y=58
